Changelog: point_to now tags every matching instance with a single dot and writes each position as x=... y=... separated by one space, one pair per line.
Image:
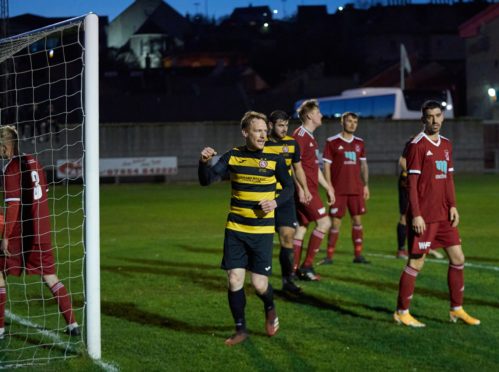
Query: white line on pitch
x=23 y=321
x=443 y=261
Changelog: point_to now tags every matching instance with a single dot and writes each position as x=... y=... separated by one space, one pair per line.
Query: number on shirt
x=37 y=189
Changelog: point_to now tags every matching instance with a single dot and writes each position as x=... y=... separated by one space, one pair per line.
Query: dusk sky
x=111 y=8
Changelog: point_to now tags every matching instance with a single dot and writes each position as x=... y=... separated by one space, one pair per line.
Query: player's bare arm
x=327 y=172
x=207 y=153
x=5 y=247
x=403 y=164
x=329 y=188
x=303 y=192
x=418 y=225
x=364 y=174
x=454 y=216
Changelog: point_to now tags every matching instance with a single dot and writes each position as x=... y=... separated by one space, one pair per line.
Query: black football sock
x=401 y=235
x=237 y=303
x=286 y=261
x=267 y=298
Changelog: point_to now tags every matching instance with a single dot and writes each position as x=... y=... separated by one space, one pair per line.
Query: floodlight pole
x=91 y=179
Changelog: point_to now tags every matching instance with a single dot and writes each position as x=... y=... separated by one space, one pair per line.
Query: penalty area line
x=107 y=366
x=442 y=261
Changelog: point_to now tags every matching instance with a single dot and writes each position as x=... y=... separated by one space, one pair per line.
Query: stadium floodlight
x=49 y=90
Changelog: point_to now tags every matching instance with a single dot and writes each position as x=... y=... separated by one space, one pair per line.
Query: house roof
x=146 y=16
x=472 y=26
x=251 y=13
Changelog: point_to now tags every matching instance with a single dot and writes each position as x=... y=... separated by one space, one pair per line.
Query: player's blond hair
x=306 y=108
x=250 y=116
x=8 y=135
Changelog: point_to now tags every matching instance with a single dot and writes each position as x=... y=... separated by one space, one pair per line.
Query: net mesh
x=41 y=86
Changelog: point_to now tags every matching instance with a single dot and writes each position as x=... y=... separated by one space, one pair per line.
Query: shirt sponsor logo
x=351 y=157
x=429 y=153
x=441 y=166
x=424 y=245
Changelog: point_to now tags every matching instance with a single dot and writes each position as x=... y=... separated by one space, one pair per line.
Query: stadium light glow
x=266 y=25
x=340 y=8
x=275 y=11
x=491 y=92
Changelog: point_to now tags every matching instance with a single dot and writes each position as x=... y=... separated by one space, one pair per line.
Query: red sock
x=64 y=302
x=3 y=300
x=406 y=287
x=455 y=279
x=314 y=245
x=331 y=242
x=297 y=248
x=357 y=238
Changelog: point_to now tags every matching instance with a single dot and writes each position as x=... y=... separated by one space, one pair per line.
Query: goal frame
x=90 y=175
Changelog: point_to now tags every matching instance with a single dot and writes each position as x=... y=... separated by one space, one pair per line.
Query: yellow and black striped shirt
x=253 y=176
x=287 y=148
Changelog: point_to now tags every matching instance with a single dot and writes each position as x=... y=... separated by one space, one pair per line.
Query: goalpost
x=49 y=90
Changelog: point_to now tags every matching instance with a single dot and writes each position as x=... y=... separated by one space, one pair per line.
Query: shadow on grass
x=211 y=282
x=336 y=306
x=393 y=286
x=193 y=249
x=481 y=259
x=176 y=264
x=129 y=311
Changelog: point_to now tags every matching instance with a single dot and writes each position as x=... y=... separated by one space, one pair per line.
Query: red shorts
x=38 y=260
x=355 y=203
x=312 y=212
x=436 y=235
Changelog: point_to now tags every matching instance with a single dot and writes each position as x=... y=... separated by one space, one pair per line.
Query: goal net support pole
x=92 y=218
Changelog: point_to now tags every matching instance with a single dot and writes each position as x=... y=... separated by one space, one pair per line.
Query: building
x=145 y=32
x=481 y=35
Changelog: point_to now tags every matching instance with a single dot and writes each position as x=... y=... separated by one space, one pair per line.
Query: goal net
x=49 y=93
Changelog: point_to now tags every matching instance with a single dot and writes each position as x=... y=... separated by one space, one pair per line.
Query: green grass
x=164 y=303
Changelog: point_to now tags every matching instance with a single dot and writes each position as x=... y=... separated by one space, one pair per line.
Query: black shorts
x=403 y=197
x=285 y=215
x=252 y=252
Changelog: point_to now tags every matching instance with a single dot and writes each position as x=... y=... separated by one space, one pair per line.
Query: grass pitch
x=164 y=298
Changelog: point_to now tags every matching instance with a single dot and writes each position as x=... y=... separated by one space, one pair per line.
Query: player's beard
x=433 y=129
x=277 y=136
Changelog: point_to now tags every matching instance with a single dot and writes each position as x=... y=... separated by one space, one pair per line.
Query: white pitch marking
x=442 y=261
x=16 y=318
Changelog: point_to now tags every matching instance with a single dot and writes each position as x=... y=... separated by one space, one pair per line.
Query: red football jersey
x=430 y=182
x=344 y=157
x=25 y=182
x=309 y=150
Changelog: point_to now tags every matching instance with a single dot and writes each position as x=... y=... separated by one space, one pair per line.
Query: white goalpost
x=49 y=91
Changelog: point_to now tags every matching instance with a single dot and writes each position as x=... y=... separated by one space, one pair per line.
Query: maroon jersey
x=344 y=157
x=309 y=150
x=430 y=183
x=24 y=182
